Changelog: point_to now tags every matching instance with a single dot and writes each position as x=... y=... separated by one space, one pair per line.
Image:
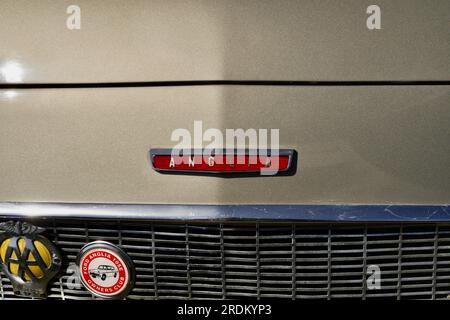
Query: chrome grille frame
x=258 y=260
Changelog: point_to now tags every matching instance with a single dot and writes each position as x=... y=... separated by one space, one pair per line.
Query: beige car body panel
x=364 y=144
x=160 y=40
x=356 y=144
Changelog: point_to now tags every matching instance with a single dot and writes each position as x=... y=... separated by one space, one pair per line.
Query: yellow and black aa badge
x=28 y=259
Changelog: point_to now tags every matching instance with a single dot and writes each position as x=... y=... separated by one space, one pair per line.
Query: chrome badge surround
x=289 y=171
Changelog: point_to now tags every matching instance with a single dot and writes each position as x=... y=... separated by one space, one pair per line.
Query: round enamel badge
x=105 y=270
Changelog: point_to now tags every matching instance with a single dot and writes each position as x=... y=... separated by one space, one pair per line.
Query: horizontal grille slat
x=261 y=260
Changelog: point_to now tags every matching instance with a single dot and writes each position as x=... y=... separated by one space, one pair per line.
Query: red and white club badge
x=105 y=270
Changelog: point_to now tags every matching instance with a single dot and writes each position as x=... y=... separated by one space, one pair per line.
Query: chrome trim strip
x=290 y=170
x=311 y=213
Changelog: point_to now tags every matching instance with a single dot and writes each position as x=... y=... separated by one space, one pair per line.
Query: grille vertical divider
x=2 y=292
x=294 y=262
x=329 y=264
x=155 y=276
x=435 y=251
x=55 y=235
x=188 y=263
x=364 y=271
x=119 y=232
x=86 y=235
x=222 y=262
x=399 y=269
x=258 y=267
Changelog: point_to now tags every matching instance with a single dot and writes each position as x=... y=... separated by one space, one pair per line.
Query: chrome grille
x=262 y=260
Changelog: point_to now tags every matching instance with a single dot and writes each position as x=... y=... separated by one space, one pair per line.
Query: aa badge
x=28 y=259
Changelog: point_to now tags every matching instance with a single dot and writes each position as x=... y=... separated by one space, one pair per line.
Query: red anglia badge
x=105 y=270
x=226 y=163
